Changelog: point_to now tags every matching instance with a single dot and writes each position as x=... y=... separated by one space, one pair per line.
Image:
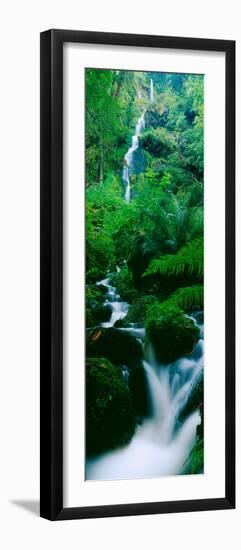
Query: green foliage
x=157 y=238
x=102 y=201
x=110 y=415
x=172 y=333
x=187 y=298
x=158 y=142
x=109 y=99
x=92 y=293
x=138 y=309
x=167 y=207
x=123 y=281
x=188 y=260
x=89 y=317
x=195 y=460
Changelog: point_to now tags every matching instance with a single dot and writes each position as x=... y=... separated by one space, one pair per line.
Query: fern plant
x=189 y=259
x=188 y=297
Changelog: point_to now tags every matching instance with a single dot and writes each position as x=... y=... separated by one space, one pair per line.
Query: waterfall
x=151 y=91
x=119 y=309
x=128 y=159
x=161 y=444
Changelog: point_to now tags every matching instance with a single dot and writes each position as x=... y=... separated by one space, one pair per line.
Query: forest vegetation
x=155 y=239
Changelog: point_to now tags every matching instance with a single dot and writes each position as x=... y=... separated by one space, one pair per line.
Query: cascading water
x=161 y=444
x=119 y=309
x=151 y=91
x=128 y=159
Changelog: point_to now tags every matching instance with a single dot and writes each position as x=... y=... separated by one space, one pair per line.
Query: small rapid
x=163 y=440
x=161 y=443
x=119 y=309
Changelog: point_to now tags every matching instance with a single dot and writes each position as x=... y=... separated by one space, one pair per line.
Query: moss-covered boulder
x=97 y=313
x=121 y=323
x=171 y=332
x=96 y=310
x=118 y=346
x=110 y=415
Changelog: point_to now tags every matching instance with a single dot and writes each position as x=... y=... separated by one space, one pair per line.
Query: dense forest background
x=156 y=239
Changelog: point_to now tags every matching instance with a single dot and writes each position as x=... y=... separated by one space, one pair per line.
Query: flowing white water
x=160 y=445
x=128 y=159
x=151 y=91
x=119 y=309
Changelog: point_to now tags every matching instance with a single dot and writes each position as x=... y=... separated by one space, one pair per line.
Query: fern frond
x=189 y=259
x=187 y=297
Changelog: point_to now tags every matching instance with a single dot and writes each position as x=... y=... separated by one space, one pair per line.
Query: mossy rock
x=102 y=312
x=121 y=323
x=110 y=415
x=97 y=313
x=172 y=333
x=118 y=346
x=94 y=274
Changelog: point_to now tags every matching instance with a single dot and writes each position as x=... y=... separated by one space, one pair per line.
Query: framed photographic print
x=137 y=274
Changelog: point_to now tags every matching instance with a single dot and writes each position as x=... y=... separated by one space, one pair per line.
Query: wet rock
x=102 y=288
x=116 y=345
x=110 y=414
x=172 y=334
x=121 y=323
x=97 y=313
x=101 y=312
x=137 y=383
x=138 y=161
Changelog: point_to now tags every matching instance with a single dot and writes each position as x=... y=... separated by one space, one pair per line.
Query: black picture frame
x=51 y=325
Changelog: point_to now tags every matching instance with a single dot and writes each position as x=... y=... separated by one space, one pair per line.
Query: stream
x=160 y=446
x=128 y=159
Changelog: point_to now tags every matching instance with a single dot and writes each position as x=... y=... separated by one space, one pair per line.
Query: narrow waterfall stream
x=151 y=91
x=161 y=444
x=128 y=159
